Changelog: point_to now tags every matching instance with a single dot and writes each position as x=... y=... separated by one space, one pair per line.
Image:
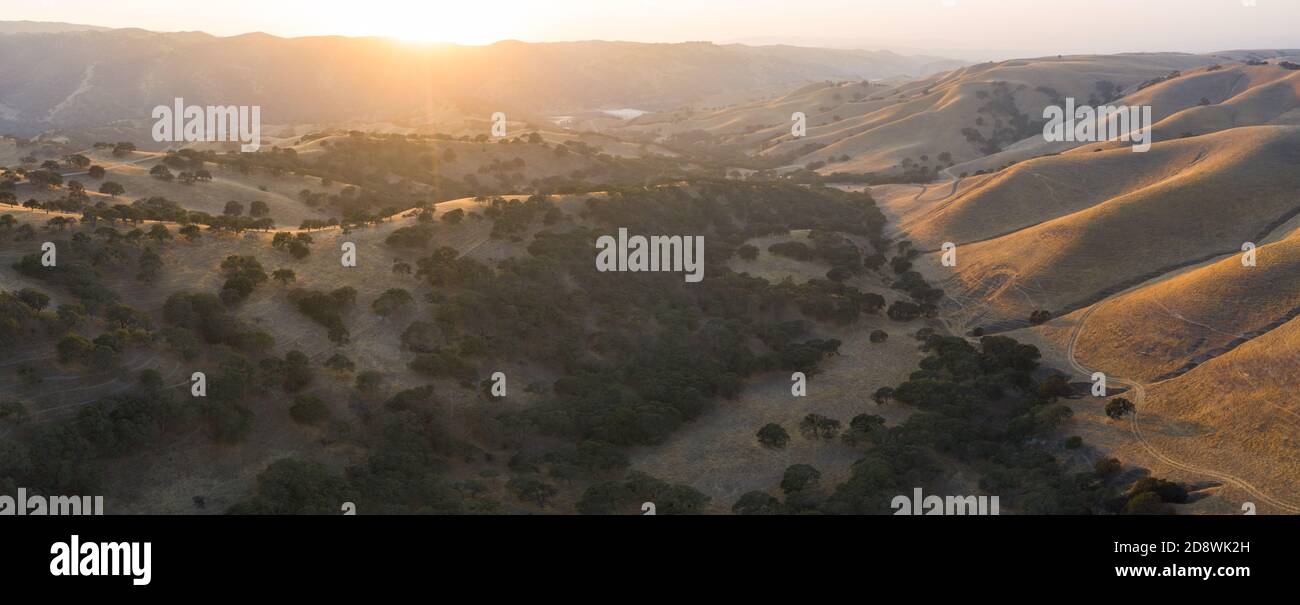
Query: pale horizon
x=959 y=28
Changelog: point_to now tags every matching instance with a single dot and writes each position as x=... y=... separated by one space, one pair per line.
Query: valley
x=821 y=348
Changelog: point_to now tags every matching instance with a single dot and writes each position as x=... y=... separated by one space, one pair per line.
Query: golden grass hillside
x=879 y=126
x=1199 y=101
x=1242 y=186
x=1045 y=188
x=1238 y=413
x=280 y=193
x=1171 y=325
x=1275 y=100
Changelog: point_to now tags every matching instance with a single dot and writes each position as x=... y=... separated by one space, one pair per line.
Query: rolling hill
x=76 y=79
x=1077 y=243
x=966 y=113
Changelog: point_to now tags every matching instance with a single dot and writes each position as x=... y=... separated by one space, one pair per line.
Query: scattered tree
x=799 y=477
x=284 y=276
x=772 y=435
x=112 y=188
x=1119 y=407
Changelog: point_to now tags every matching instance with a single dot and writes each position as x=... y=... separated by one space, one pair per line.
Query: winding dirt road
x=1138 y=397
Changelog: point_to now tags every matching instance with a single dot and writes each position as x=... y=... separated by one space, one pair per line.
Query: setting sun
x=466 y=23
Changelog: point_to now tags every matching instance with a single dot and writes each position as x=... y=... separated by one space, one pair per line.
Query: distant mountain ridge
x=79 y=78
x=44 y=27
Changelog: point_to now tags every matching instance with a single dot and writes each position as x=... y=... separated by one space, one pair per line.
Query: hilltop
x=79 y=79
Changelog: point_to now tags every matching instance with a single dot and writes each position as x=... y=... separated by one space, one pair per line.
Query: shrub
x=799 y=477
x=310 y=410
x=757 y=503
x=1119 y=407
x=391 y=301
x=772 y=435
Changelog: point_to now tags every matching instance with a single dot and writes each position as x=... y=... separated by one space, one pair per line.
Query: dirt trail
x=1138 y=391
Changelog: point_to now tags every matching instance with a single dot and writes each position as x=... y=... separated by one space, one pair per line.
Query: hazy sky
x=1004 y=26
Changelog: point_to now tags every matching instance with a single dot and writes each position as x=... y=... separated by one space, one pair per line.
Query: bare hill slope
x=1240 y=186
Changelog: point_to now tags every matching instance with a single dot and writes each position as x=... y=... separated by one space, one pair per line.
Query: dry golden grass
x=1257 y=95
x=1201 y=101
x=279 y=193
x=1238 y=413
x=879 y=125
x=1241 y=184
x=1035 y=191
x=719 y=454
x=165 y=482
x=1162 y=327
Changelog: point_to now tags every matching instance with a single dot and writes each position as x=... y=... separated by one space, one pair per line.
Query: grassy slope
x=921 y=117
x=719 y=455
x=1241 y=187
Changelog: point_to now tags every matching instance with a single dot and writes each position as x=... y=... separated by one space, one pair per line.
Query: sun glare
x=469 y=23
